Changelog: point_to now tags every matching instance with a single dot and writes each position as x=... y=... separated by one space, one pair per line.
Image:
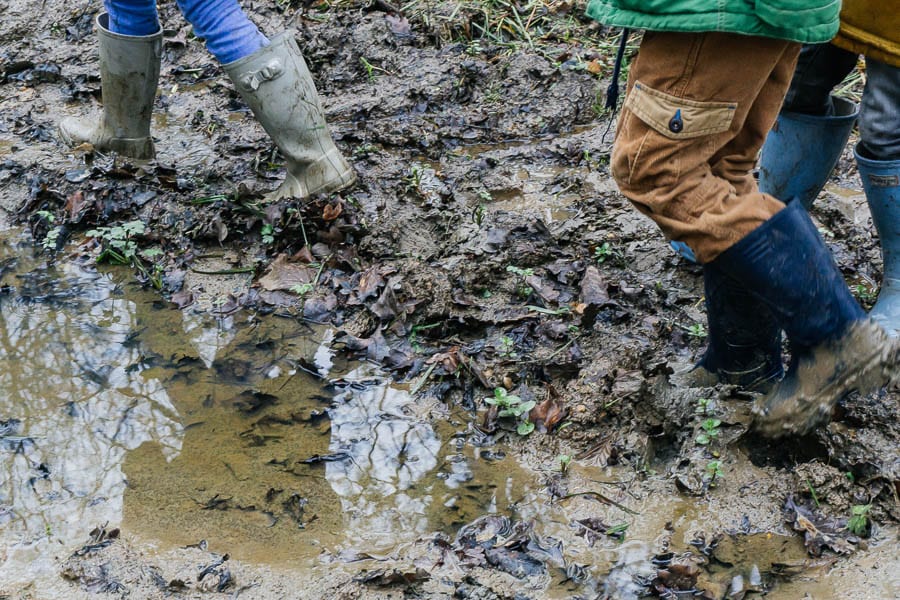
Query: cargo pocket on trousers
x=663 y=133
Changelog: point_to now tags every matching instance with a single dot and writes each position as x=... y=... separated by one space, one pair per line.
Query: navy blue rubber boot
x=744 y=339
x=801 y=151
x=836 y=349
x=881 y=181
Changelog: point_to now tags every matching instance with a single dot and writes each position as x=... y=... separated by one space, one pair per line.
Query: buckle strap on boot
x=251 y=80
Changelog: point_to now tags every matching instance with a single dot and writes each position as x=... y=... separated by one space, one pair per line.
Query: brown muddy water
x=249 y=435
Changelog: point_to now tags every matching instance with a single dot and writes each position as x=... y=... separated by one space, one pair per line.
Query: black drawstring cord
x=612 y=92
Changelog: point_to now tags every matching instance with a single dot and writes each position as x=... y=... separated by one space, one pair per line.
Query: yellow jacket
x=871 y=27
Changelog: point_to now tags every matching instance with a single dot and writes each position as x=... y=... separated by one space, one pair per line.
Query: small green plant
x=864 y=293
x=604 y=252
x=209 y=199
x=369 y=67
x=523 y=290
x=523 y=273
x=714 y=472
x=372 y=69
x=268 y=233
x=117 y=242
x=564 y=461
x=510 y=405
x=697 y=330
x=507 y=347
x=704 y=406
x=812 y=492
x=858 y=524
x=710 y=431
x=364 y=150
x=414 y=179
x=617 y=531
x=52 y=238
x=478 y=214
x=302 y=289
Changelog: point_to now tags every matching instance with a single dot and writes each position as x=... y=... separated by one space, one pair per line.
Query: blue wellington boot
x=881 y=181
x=744 y=340
x=836 y=349
x=801 y=151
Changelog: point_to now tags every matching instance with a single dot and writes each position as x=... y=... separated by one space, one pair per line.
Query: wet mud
x=303 y=386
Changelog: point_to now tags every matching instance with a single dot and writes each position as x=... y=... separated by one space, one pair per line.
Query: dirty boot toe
x=863 y=359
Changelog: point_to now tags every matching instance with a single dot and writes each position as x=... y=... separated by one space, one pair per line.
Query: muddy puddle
x=204 y=440
x=251 y=436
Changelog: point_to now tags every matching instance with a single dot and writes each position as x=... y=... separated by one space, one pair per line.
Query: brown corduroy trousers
x=697 y=111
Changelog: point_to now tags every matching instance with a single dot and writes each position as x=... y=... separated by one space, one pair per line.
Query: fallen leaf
x=183 y=299
x=399 y=25
x=286 y=272
x=75 y=205
x=548 y=414
x=369 y=284
x=332 y=211
x=593 y=296
x=386 y=307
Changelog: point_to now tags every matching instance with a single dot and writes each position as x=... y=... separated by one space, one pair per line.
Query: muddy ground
x=484 y=247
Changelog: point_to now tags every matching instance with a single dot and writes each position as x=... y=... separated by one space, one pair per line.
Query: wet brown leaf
x=595 y=67
x=677 y=577
x=75 y=205
x=491 y=419
x=603 y=451
x=331 y=236
x=305 y=255
x=794 y=568
x=387 y=307
x=332 y=211
x=593 y=296
x=543 y=289
x=369 y=284
x=548 y=414
x=448 y=360
x=220 y=228
x=819 y=532
x=591 y=529
x=183 y=299
x=286 y=272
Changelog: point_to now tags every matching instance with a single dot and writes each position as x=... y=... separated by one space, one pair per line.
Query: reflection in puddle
x=389 y=452
x=73 y=402
x=117 y=410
